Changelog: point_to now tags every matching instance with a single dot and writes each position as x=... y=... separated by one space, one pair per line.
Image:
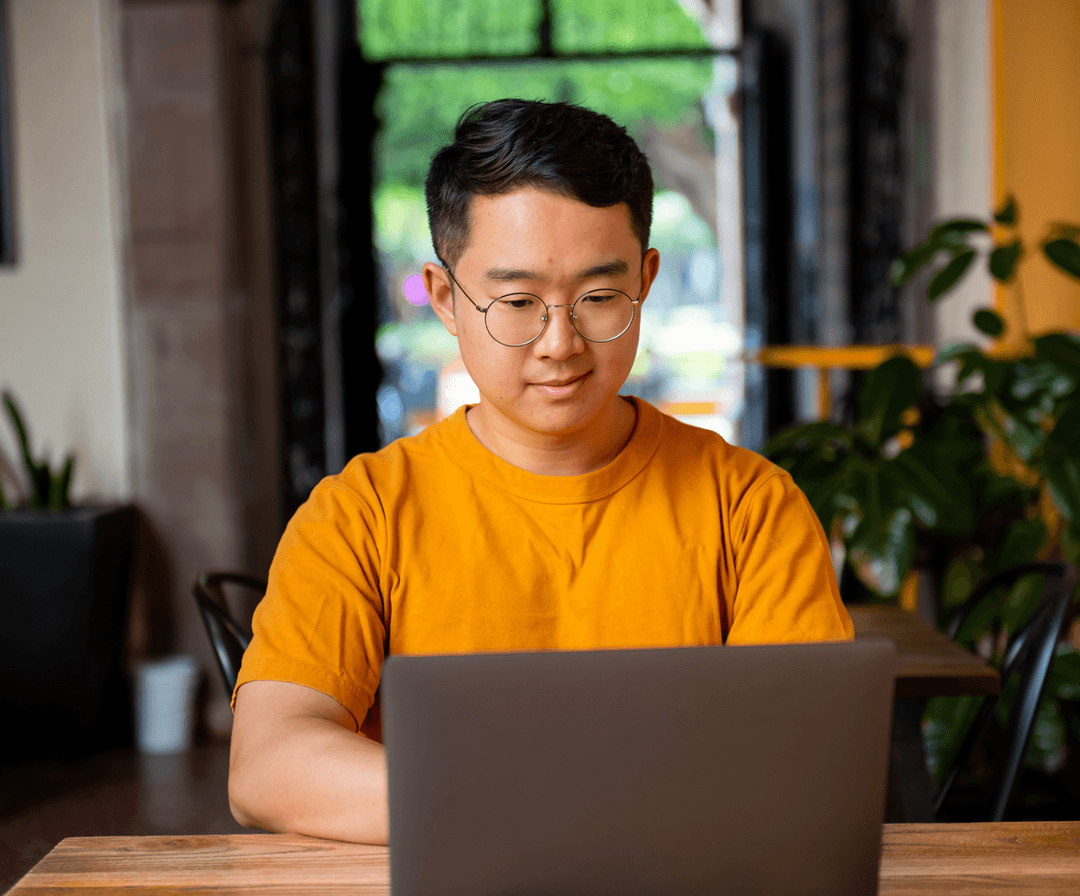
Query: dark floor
x=121 y=792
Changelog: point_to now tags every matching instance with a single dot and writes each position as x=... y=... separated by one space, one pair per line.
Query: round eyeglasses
x=514 y=320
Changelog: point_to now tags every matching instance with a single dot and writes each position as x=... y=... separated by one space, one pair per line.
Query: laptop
x=691 y=770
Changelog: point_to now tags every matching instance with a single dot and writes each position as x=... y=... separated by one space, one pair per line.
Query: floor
x=120 y=792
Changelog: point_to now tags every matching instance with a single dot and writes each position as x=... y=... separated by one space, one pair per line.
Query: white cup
x=164 y=700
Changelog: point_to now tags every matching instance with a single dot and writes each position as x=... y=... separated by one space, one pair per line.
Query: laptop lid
x=757 y=769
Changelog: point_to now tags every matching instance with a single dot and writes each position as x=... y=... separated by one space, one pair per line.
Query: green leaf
x=1063 y=349
x=1020 y=602
x=989 y=322
x=1060 y=228
x=1063 y=679
x=1044 y=382
x=888 y=390
x=956 y=351
x=1003 y=261
x=1021 y=437
x=939 y=496
x=806 y=436
x=959 y=581
x=1022 y=543
x=946 y=721
x=1063 y=483
x=1064 y=438
x=911 y=262
x=953 y=231
x=1007 y=213
x=948 y=276
x=1047 y=746
x=830 y=493
x=1064 y=253
x=60 y=486
x=22 y=436
x=883 y=545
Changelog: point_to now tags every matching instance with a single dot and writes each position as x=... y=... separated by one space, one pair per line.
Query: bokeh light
x=414 y=290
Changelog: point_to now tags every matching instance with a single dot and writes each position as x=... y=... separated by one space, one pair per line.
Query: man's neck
x=569 y=454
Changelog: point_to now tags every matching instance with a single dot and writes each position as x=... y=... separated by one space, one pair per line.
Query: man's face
x=557 y=248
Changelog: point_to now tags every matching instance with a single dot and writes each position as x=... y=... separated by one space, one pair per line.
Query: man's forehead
x=500 y=227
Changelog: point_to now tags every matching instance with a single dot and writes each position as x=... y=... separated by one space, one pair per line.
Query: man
x=552 y=514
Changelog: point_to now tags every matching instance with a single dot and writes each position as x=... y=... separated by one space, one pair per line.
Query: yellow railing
x=848 y=357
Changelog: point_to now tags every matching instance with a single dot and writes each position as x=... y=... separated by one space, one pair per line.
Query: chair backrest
x=1027 y=660
x=228 y=636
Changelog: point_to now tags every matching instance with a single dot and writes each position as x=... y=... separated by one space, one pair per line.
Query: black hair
x=507 y=144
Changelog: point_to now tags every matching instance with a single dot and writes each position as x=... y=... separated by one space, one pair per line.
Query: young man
x=552 y=514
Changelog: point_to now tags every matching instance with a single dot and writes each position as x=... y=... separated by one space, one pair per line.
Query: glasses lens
x=516 y=319
x=603 y=314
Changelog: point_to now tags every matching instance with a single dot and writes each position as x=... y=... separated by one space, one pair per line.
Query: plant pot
x=64 y=578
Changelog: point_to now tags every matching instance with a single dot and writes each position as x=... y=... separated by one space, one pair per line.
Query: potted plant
x=64 y=574
x=966 y=484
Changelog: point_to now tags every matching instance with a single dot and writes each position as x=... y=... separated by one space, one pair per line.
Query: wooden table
x=928 y=664
x=959 y=860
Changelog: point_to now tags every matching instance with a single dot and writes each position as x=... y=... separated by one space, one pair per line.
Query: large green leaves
x=882 y=546
x=938 y=493
x=888 y=391
x=1063 y=350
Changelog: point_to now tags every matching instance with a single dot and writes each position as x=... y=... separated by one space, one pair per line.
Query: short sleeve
x=322 y=622
x=786 y=587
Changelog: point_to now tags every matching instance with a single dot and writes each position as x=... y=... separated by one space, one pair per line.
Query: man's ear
x=441 y=296
x=650 y=266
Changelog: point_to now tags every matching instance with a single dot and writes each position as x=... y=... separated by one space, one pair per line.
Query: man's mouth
x=561 y=386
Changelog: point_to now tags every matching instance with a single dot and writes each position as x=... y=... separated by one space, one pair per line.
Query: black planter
x=64 y=579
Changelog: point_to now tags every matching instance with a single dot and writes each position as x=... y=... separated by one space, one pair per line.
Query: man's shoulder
x=687 y=447
x=395 y=467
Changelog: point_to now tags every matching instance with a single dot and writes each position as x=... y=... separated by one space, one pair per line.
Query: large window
x=665 y=69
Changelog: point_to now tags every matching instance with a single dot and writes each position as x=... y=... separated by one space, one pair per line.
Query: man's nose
x=560 y=338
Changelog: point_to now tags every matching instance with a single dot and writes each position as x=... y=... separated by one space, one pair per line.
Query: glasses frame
x=546 y=317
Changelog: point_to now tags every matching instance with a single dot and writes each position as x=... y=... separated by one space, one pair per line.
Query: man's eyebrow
x=510 y=275
x=516 y=275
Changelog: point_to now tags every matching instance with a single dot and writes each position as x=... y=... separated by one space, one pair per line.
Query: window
x=665 y=69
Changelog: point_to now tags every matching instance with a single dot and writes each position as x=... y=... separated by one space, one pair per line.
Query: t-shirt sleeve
x=322 y=622
x=786 y=584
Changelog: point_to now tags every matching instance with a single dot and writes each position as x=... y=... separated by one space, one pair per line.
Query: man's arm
x=297 y=766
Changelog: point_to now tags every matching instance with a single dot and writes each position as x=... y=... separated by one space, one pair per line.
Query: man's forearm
x=311 y=776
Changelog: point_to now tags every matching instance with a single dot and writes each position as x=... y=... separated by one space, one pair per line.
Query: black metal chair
x=228 y=636
x=1026 y=662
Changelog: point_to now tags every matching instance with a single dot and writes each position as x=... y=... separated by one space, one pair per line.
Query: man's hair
x=508 y=144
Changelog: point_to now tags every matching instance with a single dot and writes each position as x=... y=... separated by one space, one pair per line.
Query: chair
x=1024 y=671
x=229 y=637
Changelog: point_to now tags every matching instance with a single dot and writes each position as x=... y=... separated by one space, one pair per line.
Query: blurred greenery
x=418 y=28
x=419 y=105
x=48 y=489
x=909 y=481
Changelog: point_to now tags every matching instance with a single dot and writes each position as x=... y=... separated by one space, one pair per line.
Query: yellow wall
x=1036 y=146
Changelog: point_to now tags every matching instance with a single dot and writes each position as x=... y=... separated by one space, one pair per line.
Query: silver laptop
x=748 y=770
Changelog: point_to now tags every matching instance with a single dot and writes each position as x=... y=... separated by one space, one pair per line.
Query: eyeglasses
x=514 y=320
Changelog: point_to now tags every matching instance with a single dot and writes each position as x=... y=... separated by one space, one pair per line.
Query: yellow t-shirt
x=435 y=545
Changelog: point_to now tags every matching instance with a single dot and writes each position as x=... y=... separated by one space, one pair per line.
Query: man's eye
x=518 y=303
x=600 y=297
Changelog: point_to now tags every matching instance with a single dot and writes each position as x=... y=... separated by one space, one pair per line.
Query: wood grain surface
x=1035 y=858
x=928 y=663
